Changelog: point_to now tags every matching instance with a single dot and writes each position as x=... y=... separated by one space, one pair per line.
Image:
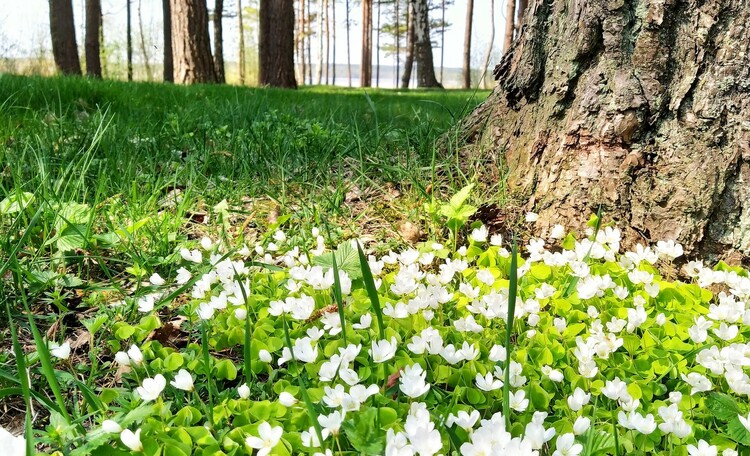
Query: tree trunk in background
x=442 y=40
x=93 y=35
x=62 y=29
x=488 y=52
x=191 y=46
x=410 y=38
x=510 y=14
x=638 y=106
x=277 y=43
x=309 y=44
x=299 y=43
x=398 y=44
x=328 y=40
x=219 y=41
x=168 y=66
x=520 y=11
x=423 y=45
x=129 y=39
x=377 y=49
x=365 y=75
x=321 y=37
x=467 y=44
x=144 y=50
x=241 y=25
x=333 y=37
x=348 y=45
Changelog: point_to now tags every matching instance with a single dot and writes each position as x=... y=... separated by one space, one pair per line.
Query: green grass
x=95 y=167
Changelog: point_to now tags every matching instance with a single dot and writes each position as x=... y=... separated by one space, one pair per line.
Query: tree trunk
x=442 y=40
x=299 y=40
x=377 y=49
x=191 y=46
x=309 y=45
x=93 y=45
x=319 y=67
x=636 y=106
x=423 y=45
x=168 y=66
x=129 y=39
x=62 y=29
x=398 y=44
x=510 y=14
x=488 y=52
x=467 y=44
x=348 y=45
x=219 y=41
x=520 y=12
x=410 y=38
x=277 y=43
x=327 y=52
x=241 y=57
x=333 y=37
x=365 y=75
x=144 y=49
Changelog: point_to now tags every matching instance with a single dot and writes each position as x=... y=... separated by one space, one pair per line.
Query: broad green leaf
x=722 y=406
x=459 y=198
x=347 y=260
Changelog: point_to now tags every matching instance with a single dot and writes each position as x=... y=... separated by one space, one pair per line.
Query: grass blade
x=24 y=380
x=372 y=292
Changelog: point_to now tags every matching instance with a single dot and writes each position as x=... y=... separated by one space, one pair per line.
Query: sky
x=24 y=29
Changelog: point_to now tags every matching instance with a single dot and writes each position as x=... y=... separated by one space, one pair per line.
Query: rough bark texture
x=640 y=106
x=277 y=43
x=219 y=40
x=423 y=45
x=168 y=66
x=93 y=46
x=510 y=15
x=191 y=47
x=467 y=45
x=365 y=75
x=63 y=31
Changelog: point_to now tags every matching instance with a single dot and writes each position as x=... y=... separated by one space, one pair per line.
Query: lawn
x=216 y=270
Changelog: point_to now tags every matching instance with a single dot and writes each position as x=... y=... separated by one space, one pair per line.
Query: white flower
x=132 y=440
x=558 y=232
x=578 y=399
x=206 y=243
x=725 y=332
x=122 y=358
x=496 y=240
x=268 y=438
x=156 y=279
x=675 y=397
x=286 y=399
x=60 y=351
x=396 y=444
x=479 y=234
x=183 y=380
x=518 y=401
x=265 y=356
x=365 y=321
x=729 y=452
x=205 y=311
x=497 y=353
x=331 y=423
x=566 y=446
x=151 y=388
x=745 y=420
x=463 y=420
x=532 y=217
x=194 y=256
x=412 y=381
x=135 y=354
x=12 y=445
x=581 y=425
x=615 y=389
x=183 y=276
x=553 y=374
x=698 y=382
x=243 y=391
x=488 y=382
x=383 y=350
x=703 y=449
x=108 y=426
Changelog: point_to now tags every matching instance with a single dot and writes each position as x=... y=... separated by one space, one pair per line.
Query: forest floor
x=116 y=177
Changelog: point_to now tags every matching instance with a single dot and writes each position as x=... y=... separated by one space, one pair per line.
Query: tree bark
x=510 y=15
x=637 y=106
x=277 y=43
x=168 y=70
x=299 y=43
x=191 y=46
x=93 y=34
x=219 y=41
x=423 y=45
x=410 y=39
x=398 y=43
x=241 y=57
x=129 y=39
x=365 y=75
x=321 y=37
x=467 y=44
x=488 y=52
x=520 y=12
x=62 y=29
x=327 y=28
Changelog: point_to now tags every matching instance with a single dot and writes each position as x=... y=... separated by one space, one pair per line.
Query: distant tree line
x=287 y=31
